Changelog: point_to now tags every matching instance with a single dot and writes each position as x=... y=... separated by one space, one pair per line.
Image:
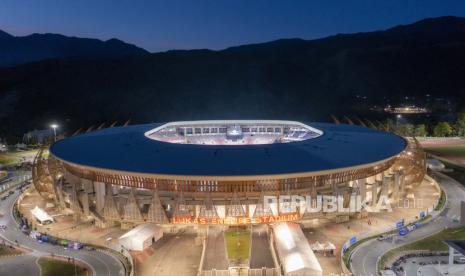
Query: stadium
x=219 y=172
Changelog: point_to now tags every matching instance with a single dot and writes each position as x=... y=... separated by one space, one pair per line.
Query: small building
x=317 y=247
x=3 y=147
x=38 y=136
x=41 y=216
x=21 y=146
x=141 y=237
x=294 y=252
x=329 y=249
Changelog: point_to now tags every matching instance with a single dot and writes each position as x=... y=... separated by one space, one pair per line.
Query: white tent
x=329 y=246
x=295 y=254
x=41 y=215
x=141 y=236
x=317 y=246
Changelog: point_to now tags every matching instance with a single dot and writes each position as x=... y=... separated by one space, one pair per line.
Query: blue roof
x=128 y=149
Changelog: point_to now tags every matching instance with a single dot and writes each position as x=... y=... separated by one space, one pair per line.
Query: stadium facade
x=220 y=172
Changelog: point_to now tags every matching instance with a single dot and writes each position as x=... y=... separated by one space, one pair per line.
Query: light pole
x=54 y=127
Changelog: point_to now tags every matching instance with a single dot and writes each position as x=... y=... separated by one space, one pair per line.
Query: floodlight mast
x=54 y=127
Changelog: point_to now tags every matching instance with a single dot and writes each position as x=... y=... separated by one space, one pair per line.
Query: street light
x=54 y=127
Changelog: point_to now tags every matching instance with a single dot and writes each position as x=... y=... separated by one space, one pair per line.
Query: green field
x=441 y=202
x=435 y=242
x=7 y=158
x=432 y=243
x=51 y=267
x=5 y=250
x=237 y=244
x=457 y=150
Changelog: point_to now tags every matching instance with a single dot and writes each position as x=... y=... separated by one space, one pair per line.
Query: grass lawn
x=15 y=157
x=432 y=243
x=51 y=267
x=457 y=150
x=6 y=158
x=435 y=242
x=441 y=202
x=5 y=250
x=237 y=244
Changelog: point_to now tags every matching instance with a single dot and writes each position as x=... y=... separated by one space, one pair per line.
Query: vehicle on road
x=384 y=237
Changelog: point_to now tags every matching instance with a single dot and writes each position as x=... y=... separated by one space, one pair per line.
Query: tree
x=390 y=125
x=460 y=124
x=442 y=129
x=420 y=130
x=403 y=129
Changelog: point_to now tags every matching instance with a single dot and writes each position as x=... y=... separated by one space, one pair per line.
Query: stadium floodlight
x=54 y=127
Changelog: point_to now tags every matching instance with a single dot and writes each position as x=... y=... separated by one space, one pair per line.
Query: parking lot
x=410 y=266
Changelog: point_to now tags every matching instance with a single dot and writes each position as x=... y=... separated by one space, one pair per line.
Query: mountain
x=16 y=50
x=287 y=79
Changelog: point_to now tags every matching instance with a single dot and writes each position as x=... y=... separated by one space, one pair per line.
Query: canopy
x=294 y=251
x=329 y=246
x=41 y=215
x=317 y=246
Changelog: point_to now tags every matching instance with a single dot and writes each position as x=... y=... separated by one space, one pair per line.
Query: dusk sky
x=163 y=25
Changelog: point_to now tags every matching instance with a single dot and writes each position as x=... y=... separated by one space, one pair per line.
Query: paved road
x=215 y=252
x=14 y=176
x=101 y=263
x=261 y=254
x=364 y=257
x=19 y=265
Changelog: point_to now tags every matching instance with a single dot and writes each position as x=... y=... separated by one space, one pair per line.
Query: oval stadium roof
x=128 y=149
